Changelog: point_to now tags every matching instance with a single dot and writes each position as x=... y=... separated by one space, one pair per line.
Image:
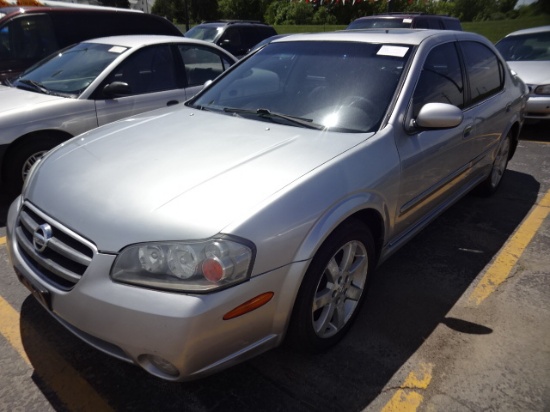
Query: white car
x=93 y=83
x=528 y=54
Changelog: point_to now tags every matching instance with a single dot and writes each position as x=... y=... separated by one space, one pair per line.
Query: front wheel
x=333 y=288
x=20 y=160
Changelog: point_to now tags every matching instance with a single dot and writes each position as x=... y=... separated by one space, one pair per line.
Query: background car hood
x=532 y=72
x=13 y=99
x=174 y=174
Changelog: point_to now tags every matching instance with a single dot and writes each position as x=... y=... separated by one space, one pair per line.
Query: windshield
x=342 y=86
x=528 y=47
x=69 y=72
x=206 y=33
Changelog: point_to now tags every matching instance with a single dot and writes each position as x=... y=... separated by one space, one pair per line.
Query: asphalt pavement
x=457 y=320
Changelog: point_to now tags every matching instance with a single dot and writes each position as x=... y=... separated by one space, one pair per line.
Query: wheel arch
x=515 y=130
x=58 y=136
x=369 y=209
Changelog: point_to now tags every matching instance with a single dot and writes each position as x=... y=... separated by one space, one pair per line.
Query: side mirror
x=438 y=116
x=117 y=89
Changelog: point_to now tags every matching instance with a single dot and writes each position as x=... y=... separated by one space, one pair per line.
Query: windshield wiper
x=35 y=85
x=266 y=113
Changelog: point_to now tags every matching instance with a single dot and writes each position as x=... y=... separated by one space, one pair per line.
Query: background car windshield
x=380 y=23
x=527 y=47
x=206 y=33
x=72 y=70
x=343 y=86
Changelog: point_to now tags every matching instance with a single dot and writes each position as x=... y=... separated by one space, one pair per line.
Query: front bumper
x=153 y=328
x=538 y=107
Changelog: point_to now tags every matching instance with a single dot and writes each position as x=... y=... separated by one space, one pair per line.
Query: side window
x=149 y=70
x=201 y=64
x=28 y=38
x=484 y=70
x=441 y=80
x=231 y=40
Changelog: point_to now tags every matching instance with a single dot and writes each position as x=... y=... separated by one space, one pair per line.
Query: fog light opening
x=158 y=366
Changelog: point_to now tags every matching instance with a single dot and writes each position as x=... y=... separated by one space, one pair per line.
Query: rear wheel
x=491 y=184
x=333 y=288
x=20 y=159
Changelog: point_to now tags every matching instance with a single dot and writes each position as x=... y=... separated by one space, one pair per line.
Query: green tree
x=243 y=9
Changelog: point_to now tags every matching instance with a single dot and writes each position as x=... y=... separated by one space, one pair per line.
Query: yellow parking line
x=9 y=328
x=408 y=398
x=73 y=390
x=2 y=240
x=506 y=260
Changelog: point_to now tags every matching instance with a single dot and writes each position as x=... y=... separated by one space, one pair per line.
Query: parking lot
x=457 y=320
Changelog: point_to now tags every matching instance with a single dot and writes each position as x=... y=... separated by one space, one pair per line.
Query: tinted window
x=344 y=86
x=201 y=64
x=484 y=70
x=526 y=47
x=441 y=80
x=71 y=71
x=385 y=23
x=148 y=70
x=26 y=39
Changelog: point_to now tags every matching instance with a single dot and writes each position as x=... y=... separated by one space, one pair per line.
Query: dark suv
x=406 y=20
x=28 y=34
x=237 y=37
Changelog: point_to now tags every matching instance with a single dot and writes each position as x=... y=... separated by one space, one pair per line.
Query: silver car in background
x=528 y=54
x=94 y=83
x=191 y=238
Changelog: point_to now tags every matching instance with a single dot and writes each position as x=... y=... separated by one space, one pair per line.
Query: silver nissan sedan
x=194 y=237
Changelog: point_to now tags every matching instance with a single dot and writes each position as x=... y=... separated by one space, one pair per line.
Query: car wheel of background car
x=333 y=288
x=20 y=159
x=491 y=184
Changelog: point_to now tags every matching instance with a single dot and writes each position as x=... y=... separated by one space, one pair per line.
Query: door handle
x=467 y=131
x=172 y=102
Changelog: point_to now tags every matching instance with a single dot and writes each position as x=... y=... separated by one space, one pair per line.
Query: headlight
x=200 y=266
x=543 y=89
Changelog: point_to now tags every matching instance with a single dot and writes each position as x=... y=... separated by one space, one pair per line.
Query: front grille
x=66 y=255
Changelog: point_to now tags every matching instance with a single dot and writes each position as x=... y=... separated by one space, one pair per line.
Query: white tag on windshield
x=394 y=51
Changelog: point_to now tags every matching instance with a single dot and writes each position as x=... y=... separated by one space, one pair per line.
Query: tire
x=333 y=289
x=490 y=185
x=20 y=159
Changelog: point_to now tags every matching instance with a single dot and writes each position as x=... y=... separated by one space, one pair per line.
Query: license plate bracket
x=41 y=295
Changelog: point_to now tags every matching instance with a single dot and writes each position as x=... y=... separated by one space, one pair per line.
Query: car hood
x=174 y=174
x=13 y=99
x=532 y=72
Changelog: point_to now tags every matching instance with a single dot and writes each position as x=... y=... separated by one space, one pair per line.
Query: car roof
x=138 y=40
x=70 y=8
x=532 y=30
x=385 y=36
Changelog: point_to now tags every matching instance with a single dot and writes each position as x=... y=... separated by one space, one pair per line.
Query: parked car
x=93 y=83
x=29 y=34
x=237 y=37
x=206 y=233
x=528 y=54
x=406 y=20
